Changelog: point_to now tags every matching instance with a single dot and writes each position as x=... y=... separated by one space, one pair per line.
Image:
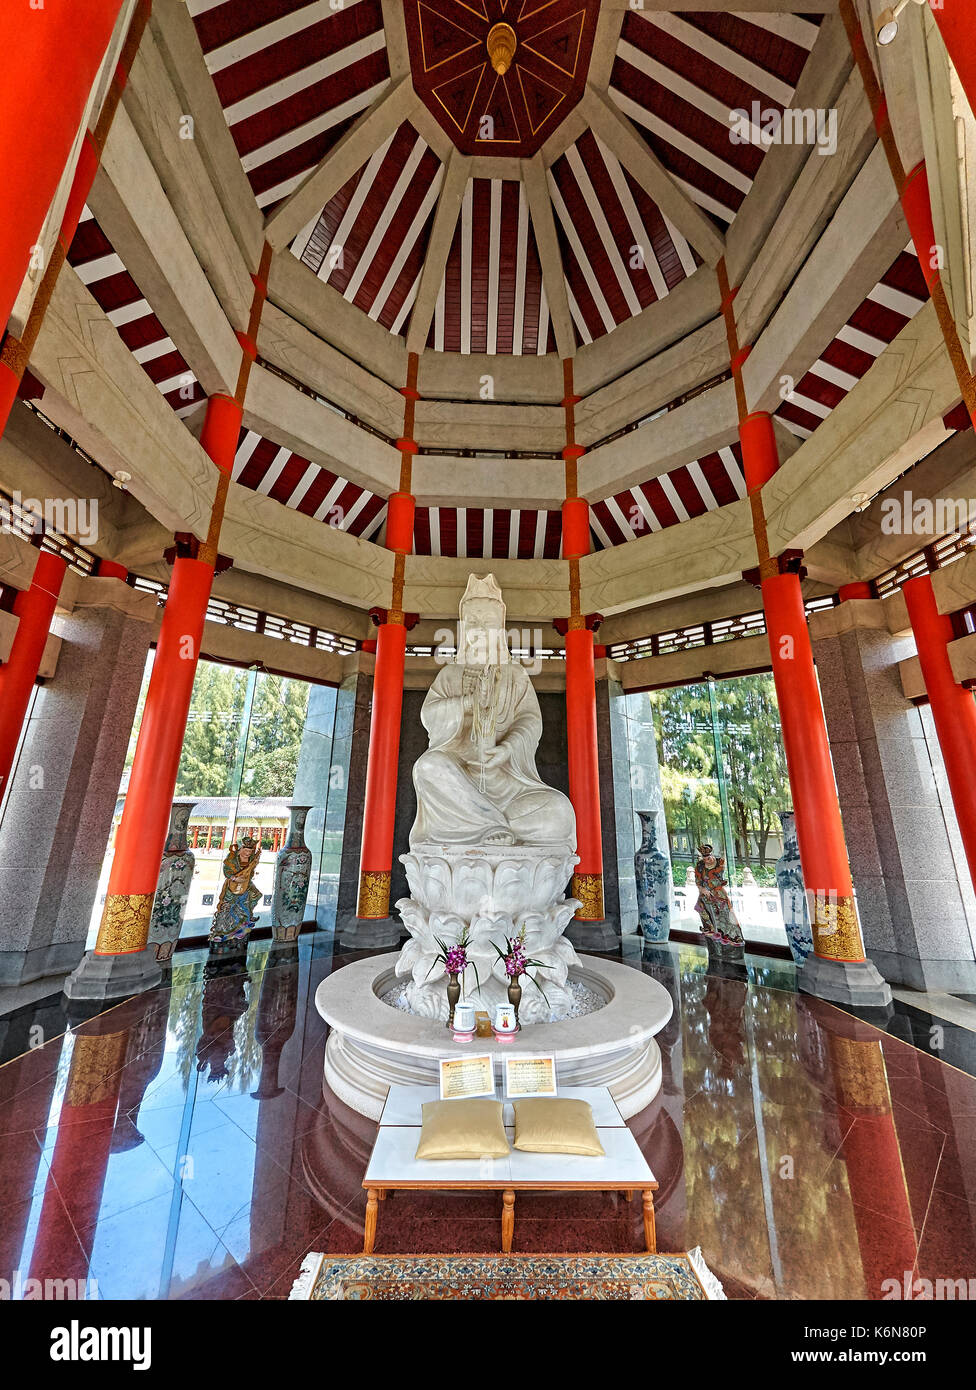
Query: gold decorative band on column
x=399 y=577
x=96 y=1060
x=14 y=355
x=588 y=888
x=836 y=933
x=374 y=893
x=125 y=924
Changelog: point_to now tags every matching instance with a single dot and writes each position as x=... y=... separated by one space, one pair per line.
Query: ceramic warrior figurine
x=477 y=784
x=235 y=916
x=714 y=906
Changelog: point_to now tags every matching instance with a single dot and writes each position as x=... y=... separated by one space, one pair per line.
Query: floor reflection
x=179 y=1146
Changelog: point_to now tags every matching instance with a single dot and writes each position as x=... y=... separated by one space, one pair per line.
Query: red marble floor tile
x=902 y=1194
x=947 y=1248
x=23 y=1167
x=41 y=1242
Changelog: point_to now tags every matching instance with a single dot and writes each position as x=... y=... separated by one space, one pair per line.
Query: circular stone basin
x=371 y=1046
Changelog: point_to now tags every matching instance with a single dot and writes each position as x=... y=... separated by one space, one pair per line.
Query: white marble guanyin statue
x=492 y=847
x=477 y=784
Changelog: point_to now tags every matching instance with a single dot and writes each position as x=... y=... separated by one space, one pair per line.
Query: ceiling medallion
x=500 y=75
x=502 y=40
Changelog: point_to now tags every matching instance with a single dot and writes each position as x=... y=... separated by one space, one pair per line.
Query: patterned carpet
x=487 y=1278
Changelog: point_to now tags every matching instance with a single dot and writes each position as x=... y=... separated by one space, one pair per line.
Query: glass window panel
x=253 y=739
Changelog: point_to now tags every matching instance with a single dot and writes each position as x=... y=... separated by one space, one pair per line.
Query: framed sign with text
x=464 y=1077
x=530 y=1076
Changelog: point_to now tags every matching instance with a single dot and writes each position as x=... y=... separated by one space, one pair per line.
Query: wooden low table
x=392 y=1164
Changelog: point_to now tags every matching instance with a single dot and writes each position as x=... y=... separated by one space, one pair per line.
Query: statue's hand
x=494 y=757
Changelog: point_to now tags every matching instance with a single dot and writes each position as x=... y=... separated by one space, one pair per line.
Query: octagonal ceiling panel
x=509 y=112
x=295 y=75
x=677 y=77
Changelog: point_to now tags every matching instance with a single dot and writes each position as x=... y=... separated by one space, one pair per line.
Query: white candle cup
x=464 y=1019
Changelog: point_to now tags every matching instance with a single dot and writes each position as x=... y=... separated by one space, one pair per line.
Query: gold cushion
x=556 y=1126
x=462 y=1129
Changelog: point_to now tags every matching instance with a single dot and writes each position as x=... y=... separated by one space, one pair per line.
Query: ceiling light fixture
x=886 y=28
x=501 y=47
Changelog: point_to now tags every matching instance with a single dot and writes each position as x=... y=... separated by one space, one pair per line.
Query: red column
x=823 y=852
x=582 y=754
x=379 y=805
x=379 y=810
x=953 y=707
x=584 y=773
x=16 y=352
x=35 y=609
x=957 y=21
x=51 y=58
x=141 y=836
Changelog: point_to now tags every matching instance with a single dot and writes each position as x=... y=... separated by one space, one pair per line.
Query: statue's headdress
x=483 y=590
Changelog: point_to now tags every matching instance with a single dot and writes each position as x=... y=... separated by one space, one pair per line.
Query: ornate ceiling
x=545 y=46
x=295 y=78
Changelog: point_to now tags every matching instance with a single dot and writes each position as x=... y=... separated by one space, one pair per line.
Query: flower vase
x=652 y=869
x=792 y=894
x=453 y=995
x=173 y=884
x=515 y=997
x=293 y=870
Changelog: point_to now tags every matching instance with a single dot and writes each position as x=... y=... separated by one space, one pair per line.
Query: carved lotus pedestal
x=493 y=891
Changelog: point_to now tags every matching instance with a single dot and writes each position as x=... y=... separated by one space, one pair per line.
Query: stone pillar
x=608 y=801
x=916 y=905
x=314 y=786
x=59 y=811
x=636 y=787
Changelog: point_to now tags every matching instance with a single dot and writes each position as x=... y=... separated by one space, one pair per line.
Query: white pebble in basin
x=371 y=1046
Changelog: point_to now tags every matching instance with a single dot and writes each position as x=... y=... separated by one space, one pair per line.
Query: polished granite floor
x=179 y=1145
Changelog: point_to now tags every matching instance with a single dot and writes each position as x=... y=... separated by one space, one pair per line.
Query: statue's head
x=481 y=630
x=247 y=848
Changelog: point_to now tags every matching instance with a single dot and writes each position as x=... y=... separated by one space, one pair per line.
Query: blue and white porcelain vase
x=293 y=870
x=792 y=895
x=173 y=884
x=652 y=870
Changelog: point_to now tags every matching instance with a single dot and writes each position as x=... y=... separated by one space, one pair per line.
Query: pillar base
x=844 y=982
x=22 y=967
x=602 y=934
x=923 y=973
x=113 y=977
x=368 y=933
